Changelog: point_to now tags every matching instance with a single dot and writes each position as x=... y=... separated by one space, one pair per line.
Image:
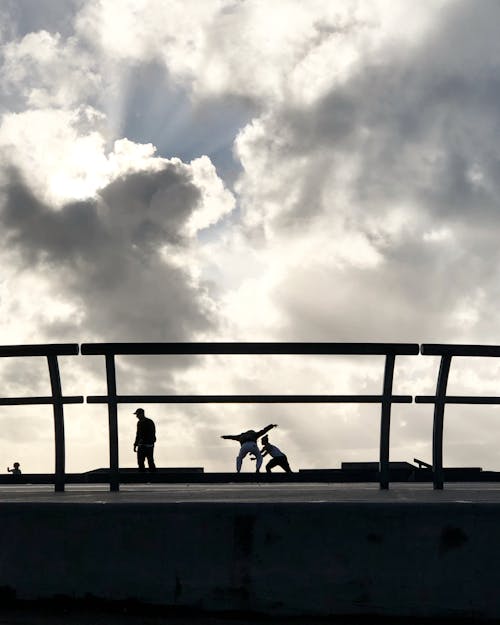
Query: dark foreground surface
x=78 y=613
x=87 y=615
x=249 y=554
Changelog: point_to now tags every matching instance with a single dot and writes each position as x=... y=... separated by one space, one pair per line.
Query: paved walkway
x=255 y=493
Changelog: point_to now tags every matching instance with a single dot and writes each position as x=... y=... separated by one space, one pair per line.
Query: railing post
x=57 y=406
x=385 y=421
x=114 y=478
x=437 y=429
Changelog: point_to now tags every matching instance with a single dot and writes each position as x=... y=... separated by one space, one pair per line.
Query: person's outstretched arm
x=266 y=429
x=231 y=437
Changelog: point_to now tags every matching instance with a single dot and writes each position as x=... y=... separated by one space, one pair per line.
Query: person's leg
x=239 y=459
x=272 y=463
x=149 y=456
x=141 y=456
x=258 y=458
x=246 y=448
x=284 y=464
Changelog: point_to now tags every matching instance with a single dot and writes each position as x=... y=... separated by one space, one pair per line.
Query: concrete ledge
x=196 y=475
x=436 y=560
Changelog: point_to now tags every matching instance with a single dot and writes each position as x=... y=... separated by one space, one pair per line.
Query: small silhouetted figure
x=15 y=470
x=278 y=458
x=145 y=440
x=248 y=442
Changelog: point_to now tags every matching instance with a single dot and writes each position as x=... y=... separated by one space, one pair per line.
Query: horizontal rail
x=245 y=399
x=52 y=349
x=358 y=349
x=36 y=401
x=438 y=349
x=457 y=399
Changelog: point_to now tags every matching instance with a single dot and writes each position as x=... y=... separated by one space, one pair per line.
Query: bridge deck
x=254 y=493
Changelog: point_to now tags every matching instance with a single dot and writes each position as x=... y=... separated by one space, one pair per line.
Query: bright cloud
x=347 y=192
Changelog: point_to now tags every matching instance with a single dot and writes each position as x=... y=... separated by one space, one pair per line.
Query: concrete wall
x=341 y=558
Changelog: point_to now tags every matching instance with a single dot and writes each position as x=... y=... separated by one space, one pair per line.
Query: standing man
x=145 y=440
x=248 y=442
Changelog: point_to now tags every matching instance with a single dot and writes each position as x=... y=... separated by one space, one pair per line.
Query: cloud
x=61 y=152
x=347 y=187
x=251 y=49
x=365 y=205
x=43 y=69
x=111 y=253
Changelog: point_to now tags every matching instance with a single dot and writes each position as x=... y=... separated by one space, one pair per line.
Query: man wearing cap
x=145 y=440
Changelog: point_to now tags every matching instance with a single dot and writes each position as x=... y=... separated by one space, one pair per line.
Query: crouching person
x=278 y=458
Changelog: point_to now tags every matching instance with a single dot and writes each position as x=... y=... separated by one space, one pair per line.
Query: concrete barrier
x=427 y=560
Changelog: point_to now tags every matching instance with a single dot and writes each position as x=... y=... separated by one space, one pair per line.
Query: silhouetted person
x=278 y=458
x=145 y=440
x=248 y=442
x=15 y=470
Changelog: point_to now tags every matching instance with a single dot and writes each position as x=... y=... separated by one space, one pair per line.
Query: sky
x=239 y=170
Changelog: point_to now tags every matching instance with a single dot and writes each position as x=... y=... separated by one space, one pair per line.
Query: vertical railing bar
x=385 y=421
x=114 y=478
x=58 y=410
x=438 y=423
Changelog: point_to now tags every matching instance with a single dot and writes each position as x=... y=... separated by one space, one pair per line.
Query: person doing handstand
x=278 y=458
x=248 y=442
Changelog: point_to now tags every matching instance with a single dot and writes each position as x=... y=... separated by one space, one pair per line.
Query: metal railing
x=440 y=399
x=110 y=350
x=112 y=399
x=56 y=399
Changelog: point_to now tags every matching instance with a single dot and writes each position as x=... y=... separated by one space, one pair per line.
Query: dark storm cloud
x=42 y=234
x=106 y=256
